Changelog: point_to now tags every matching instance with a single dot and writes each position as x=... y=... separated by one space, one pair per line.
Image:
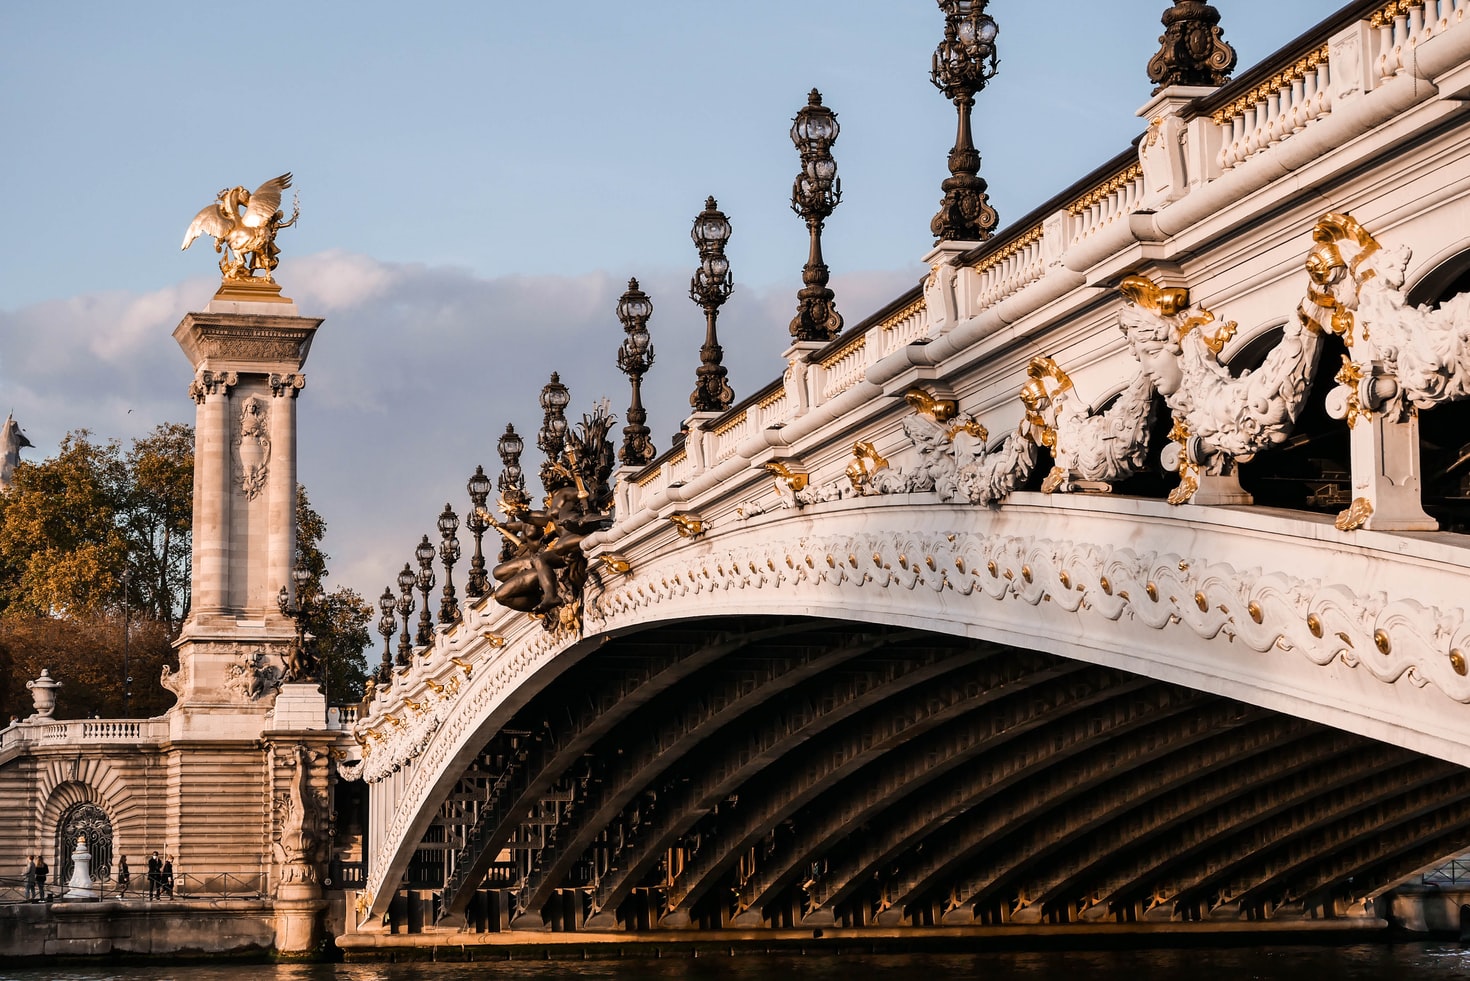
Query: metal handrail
x=1454 y=872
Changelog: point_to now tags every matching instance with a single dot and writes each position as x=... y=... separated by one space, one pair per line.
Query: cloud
x=412 y=377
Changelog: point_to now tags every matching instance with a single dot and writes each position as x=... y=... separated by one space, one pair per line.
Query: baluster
x=1300 y=110
x=1233 y=150
x=1276 y=113
x=1416 y=24
x=1385 y=47
x=1257 y=128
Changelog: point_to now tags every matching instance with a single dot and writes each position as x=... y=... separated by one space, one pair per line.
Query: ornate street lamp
x=425 y=582
x=710 y=287
x=406 y=582
x=478 y=583
x=512 y=483
x=293 y=606
x=635 y=357
x=553 y=435
x=387 y=623
x=815 y=193
x=448 y=554
x=964 y=61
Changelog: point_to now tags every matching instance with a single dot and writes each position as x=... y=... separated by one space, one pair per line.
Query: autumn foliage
x=99 y=535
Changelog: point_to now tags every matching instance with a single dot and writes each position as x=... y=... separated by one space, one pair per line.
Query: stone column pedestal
x=247 y=359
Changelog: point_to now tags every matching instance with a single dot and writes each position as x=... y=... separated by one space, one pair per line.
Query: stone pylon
x=257 y=749
x=247 y=357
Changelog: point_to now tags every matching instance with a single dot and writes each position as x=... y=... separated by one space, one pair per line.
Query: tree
x=61 y=532
x=158 y=521
x=85 y=654
x=338 y=621
x=97 y=535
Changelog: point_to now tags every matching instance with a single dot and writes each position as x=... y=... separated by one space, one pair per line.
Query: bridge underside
x=792 y=771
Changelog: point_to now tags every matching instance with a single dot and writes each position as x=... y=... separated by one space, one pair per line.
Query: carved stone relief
x=253 y=446
x=301 y=818
x=253 y=675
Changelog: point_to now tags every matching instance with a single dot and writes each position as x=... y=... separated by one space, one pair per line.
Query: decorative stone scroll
x=1220 y=421
x=207 y=383
x=1090 y=452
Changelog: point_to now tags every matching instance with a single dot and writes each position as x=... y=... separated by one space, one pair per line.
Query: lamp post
x=553 y=435
x=635 y=357
x=294 y=606
x=478 y=584
x=448 y=554
x=512 y=482
x=127 y=671
x=710 y=287
x=387 y=623
x=425 y=582
x=964 y=61
x=814 y=195
x=406 y=582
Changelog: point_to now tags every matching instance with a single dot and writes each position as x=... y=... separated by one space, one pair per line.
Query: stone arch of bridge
x=1178 y=595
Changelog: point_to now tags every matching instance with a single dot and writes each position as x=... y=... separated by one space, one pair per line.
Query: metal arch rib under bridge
x=1002 y=727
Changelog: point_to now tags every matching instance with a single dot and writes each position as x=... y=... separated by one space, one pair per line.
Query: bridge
x=1116 y=572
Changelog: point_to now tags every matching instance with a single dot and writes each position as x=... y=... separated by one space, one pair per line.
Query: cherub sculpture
x=1220 y=420
x=245 y=239
x=1089 y=452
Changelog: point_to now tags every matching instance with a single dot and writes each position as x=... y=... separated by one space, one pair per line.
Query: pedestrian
x=155 y=876
x=124 y=877
x=42 y=870
x=30 y=878
x=167 y=875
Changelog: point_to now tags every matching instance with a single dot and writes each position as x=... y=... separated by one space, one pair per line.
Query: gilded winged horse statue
x=245 y=239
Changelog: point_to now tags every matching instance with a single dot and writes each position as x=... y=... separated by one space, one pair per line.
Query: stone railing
x=1404 y=24
x=1283 y=105
x=77 y=732
x=1010 y=268
x=900 y=329
x=730 y=433
x=844 y=367
x=1100 y=206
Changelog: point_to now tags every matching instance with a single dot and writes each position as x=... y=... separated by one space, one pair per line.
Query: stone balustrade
x=1404 y=24
x=84 y=732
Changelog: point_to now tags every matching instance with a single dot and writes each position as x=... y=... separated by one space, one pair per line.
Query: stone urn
x=81 y=885
x=43 y=693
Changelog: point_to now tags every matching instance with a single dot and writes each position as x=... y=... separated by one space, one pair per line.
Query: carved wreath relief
x=253 y=446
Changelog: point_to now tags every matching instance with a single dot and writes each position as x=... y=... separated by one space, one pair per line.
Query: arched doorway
x=90 y=822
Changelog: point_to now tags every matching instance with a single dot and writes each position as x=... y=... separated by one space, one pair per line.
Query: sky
x=477 y=183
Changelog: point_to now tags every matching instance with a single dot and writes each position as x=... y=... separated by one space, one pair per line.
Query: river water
x=1427 y=961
